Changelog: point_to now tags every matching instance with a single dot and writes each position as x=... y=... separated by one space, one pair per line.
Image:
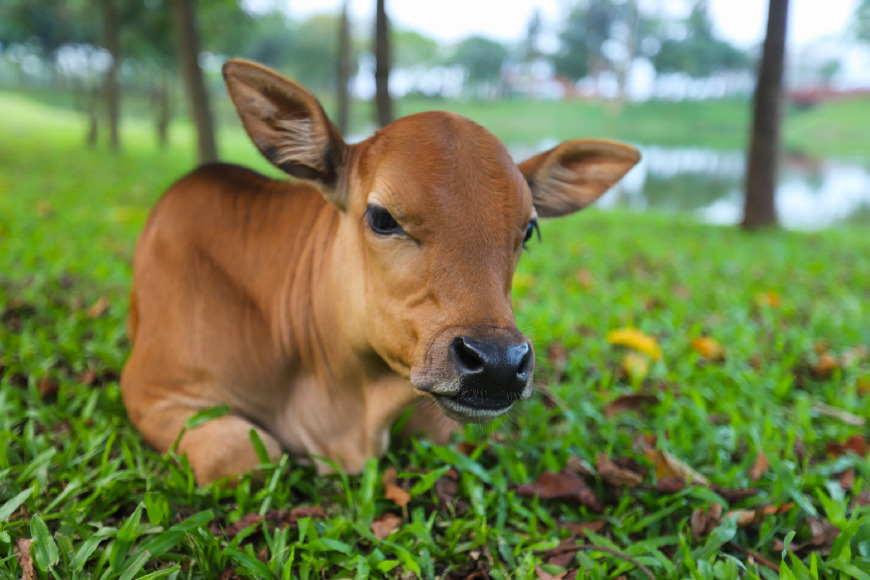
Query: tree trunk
x=162 y=110
x=382 y=67
x=343 y=98
x=112 y=37
x=759 y=208
x=187 y=53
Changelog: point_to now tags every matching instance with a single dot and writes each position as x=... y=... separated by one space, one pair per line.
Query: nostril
x=466 y=356
x=526 y=362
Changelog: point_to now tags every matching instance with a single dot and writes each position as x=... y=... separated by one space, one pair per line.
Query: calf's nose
x=495 y=370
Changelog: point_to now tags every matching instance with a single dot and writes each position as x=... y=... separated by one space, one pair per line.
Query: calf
x=320 y=310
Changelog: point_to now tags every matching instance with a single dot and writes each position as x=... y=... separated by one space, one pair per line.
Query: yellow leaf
x=637 y=340
x=709 y=348
x=635 y=365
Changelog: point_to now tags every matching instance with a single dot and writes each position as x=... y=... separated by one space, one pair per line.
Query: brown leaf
x=98 y=308
x=558 y=357
x=758 y=513
x=846 y=479
x=385 y=524
x=392 y=491
x=542 y=575
x=668 y=466
x=466 y=448
x=823 y=535
x=702 y=523
x=25 y=561
x=613 y=474
x=824 y=366
x=563 y=486
x=633 y=402
x=670 y=485
x=732 y=495
x=47 y=386
x=709 y=348
x=274 y=518
x=584 y=278
x=861 y=500
x=580 y=466
x=855 y=443
x=88 y=377
x=579 y=528
x=760 y=467
x=230 y=574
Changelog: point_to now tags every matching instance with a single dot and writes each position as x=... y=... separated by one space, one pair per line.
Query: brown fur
x=277 y=299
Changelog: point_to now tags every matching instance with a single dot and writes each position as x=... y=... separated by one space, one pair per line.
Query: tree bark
x=342 y=97
x=759 y=207
x=112 y=38
x=187 y=53
x=382 y=67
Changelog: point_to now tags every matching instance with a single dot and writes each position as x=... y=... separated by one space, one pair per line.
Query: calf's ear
x=572 y=175
x=288 y=125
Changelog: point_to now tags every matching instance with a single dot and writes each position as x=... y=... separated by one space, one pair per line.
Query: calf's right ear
x=288 y=125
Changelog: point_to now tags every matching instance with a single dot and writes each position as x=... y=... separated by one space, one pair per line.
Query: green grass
x=76 y=478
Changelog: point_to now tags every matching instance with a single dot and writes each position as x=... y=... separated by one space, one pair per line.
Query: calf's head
x=433 y=217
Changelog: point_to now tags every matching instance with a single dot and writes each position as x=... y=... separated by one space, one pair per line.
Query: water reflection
x=811 y=193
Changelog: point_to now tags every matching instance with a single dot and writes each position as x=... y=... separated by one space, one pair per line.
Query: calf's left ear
x=572 y=175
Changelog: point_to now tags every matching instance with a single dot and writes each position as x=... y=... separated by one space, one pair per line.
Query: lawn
x=706 y=415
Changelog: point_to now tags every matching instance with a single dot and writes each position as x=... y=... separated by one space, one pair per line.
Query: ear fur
x=572 y=175
x=287 y=124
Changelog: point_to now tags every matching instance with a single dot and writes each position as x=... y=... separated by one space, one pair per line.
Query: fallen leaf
x=47 y=386
x=98 y=308
x=88 y=377
x=625 y=403
x=637 y=340
x=861 y=500
x=746 y=517
x=839 y=414
x=392 y=491
x=579 y=528
x=709 y=348
x=385 y=524
x=760 y=467
x=580 y=466
x=769 y=298
x=275 y=518
x=477 y=569
x=733 y=495
x=25 y=560
x=635 y=366
x=846 y=479
x=670 y=485
x=542 y=575
x=563 y=486
x=855 y=443
x=863 y=386
x=823 y=535
x=613 y=474
x=824 y=366
x=854 y=355
x=668 y=466
x=584 y=278
x=230 y=574
x=558 y=357
x=701 y=524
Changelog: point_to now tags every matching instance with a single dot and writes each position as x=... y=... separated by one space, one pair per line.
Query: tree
x=759 y=208
x=862 y=20
x=112 y=37
x=384 y=103
x=698 y=52
x=586 y=29
x=187 y=47
x=482 y=59
x=344 y=53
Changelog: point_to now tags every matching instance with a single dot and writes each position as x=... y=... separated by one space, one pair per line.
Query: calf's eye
x=530 y=230
x=382 y=223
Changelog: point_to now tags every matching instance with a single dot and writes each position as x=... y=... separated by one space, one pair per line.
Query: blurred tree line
x=103 y=49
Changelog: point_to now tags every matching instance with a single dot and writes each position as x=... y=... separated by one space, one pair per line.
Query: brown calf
x=320 y=310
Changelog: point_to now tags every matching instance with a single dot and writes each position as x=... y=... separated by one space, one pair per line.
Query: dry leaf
x=624 y=403
x=613 y=474
x=25 y=561
x=558 y=357
x=846 y=479
x=709 y=348
x=274 y=517
x=637 y=340
x=824 y=367
x=392 y=491
x=542 y=575
x=98 y=308
x=768 y=298
x=635 y=365
x=47 y=386
x=584 y=278
x=580 y=466
x=579 y=528
x=563 y=486
x=760 y=467
x=385 y=524
x=855 y=443
x=668 y=466
x=839 y=414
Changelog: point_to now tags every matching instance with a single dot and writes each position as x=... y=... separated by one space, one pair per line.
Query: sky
x=741 y=22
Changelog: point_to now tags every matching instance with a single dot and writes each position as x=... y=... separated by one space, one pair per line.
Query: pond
x=811 y=194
